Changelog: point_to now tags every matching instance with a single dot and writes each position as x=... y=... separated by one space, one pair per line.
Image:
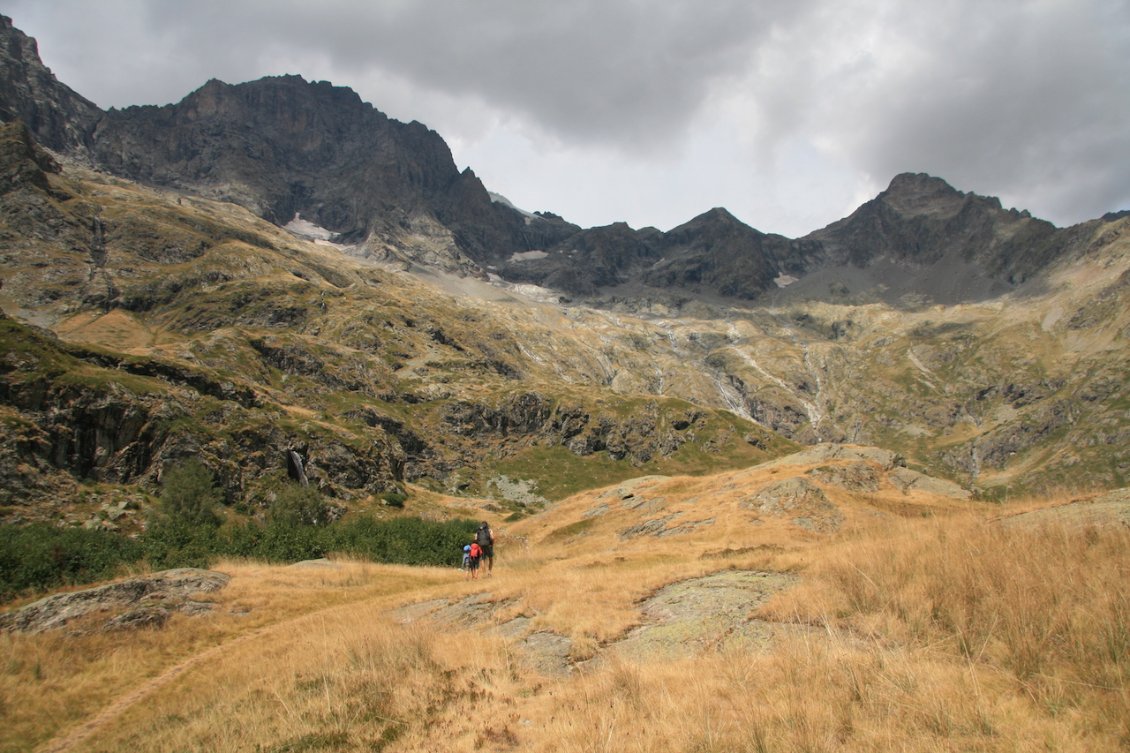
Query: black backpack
x=482 y=537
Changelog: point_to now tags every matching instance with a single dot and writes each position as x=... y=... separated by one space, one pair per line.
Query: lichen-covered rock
x=797 y=499
x=146 y=601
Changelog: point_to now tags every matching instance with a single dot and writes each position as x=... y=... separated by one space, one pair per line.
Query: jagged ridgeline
x=159 y=308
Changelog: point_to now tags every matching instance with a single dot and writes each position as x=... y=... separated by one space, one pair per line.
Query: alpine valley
x=274 y=277
x=863 y=490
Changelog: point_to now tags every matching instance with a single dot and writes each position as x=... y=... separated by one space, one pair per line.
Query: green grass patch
x=570 y=530
x=559 y=473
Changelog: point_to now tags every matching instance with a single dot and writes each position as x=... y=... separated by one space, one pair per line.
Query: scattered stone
x=823 y=453
x=643 y=504
x=686 y=527
x=548 y=653
x=596 y=512
x=627 y=489
x=322 y=562
x=856 y=477
x=466 y=612
x=521 y=491
x=652 y=527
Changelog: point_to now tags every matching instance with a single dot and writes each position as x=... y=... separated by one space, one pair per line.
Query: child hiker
x=476 y=554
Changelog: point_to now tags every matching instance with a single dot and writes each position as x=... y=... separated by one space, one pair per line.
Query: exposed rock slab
x=1110 y=509
x=147 y=601
x=906 y=479
x=702 y=614
x=543 y=650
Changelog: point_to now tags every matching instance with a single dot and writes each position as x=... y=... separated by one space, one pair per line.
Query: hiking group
x=480 y=548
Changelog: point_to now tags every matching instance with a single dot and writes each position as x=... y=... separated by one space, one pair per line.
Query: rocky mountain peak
x=283 y=146
x=58 y=117
x=938 y=236
x=919 y=193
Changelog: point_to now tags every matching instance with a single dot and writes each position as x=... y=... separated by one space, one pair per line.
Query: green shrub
x=189 y=494
x=296 y=505
x=40 y=556
x=406 y=541
x=282 y=542
x=171 y=542
x=182 y=531
x=394 y=499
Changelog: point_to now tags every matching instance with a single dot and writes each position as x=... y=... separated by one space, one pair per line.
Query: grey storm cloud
x=620 y=72
x=817 y=100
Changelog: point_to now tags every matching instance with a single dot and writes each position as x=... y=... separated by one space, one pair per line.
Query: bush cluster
x=41 y=556
x=186 y=530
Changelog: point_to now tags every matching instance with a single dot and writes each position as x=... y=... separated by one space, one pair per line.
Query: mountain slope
x=322 y=345
x=200 y=330
x=697 y=360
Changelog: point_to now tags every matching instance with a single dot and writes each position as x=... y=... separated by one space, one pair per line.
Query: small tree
x=189 y=495
x=296 y=505
x=182 y=531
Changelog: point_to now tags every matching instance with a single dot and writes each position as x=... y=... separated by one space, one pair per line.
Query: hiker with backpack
x=484 y=537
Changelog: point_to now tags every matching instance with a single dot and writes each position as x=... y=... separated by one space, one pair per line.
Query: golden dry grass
x=946 y=631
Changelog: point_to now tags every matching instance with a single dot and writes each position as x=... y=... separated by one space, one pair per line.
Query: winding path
x=69 y=738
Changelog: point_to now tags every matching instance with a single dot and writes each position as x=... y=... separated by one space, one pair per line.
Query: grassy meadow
x=942 y=626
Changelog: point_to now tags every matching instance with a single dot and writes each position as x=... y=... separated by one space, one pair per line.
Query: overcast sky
x=789 y=113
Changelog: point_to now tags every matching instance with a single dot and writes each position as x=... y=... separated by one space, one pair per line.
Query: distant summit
x=921 y=236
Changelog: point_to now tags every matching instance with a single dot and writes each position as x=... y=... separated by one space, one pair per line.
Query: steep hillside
x=200 y=330
x=424 y=379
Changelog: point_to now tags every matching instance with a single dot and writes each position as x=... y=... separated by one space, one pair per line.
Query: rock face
x=29 y=92
x=921 y=236
x=80 y=416
x=283 y=146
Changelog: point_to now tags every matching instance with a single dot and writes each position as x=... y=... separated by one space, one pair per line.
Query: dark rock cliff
x=29 y=92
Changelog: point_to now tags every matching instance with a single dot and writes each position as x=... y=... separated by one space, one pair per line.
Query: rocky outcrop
x=147 y=601
x=803 y=503
x=638 y=438
x=77 y=415
x=23 y=164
